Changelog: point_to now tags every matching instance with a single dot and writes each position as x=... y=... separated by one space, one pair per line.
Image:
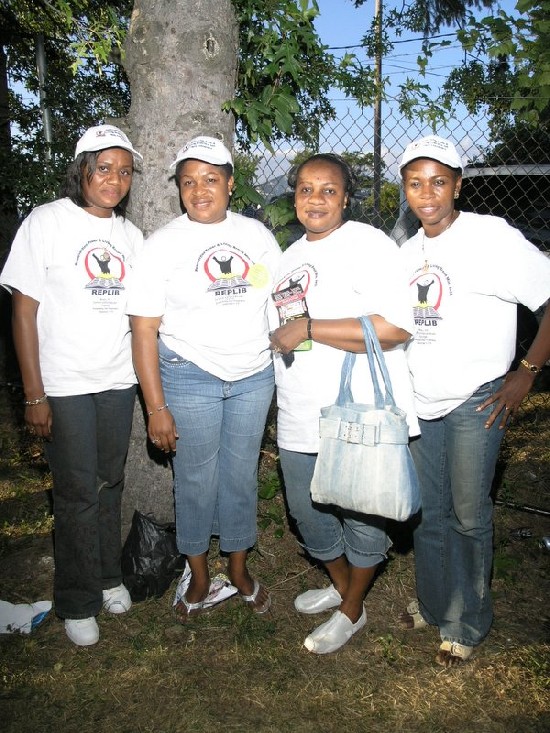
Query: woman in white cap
x=202 y=285
x=467 y=273
x=68 y=271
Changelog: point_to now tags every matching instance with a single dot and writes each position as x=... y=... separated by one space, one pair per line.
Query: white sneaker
x=117 y=600
x=334 y=633
x=82 y=631
x=315 y=601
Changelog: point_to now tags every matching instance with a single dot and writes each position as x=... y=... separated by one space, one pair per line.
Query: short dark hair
x=348 y=174
x=86 y=164
x=227 y=168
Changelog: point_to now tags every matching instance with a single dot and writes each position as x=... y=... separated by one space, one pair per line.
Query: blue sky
x=341 y=24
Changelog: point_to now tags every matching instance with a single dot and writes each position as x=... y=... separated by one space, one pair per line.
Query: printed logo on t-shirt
x=429 y=287
x=289 y=296
x=231 y=273
x=302 y=276
x=105 y=271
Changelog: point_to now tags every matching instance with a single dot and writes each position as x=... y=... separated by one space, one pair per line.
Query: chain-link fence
x=510 y=178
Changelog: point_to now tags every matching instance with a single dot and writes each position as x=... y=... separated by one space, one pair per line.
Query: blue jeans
x=455 y=458
x=90 y=436
x=221 y=426
x=327 y=532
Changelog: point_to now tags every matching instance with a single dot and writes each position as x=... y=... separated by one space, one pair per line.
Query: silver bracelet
x=158 y=409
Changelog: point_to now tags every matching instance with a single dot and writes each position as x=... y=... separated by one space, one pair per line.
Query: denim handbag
x=364 y=463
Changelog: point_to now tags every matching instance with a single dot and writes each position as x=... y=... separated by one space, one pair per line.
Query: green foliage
x=285 y=73
x=83 y=87
x=281 y=216
x=270 y=485
x=515 y=85
x=525 y=42
x=427 y=16
x=95 y=29
x=245 y=194
x=284 y=76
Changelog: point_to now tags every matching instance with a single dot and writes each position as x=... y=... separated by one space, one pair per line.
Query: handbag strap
x=374 y=354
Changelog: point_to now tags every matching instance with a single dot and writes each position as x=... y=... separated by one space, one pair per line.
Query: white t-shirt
x=77 y=266
x=210 y=283
x=465 y=306
x=352 y=272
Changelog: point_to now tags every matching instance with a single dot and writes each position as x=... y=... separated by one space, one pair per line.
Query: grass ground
x=231 y=670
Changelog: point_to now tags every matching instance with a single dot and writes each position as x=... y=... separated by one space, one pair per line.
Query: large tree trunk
x=181 y=60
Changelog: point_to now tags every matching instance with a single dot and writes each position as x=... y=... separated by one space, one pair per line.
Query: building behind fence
x=511 y=181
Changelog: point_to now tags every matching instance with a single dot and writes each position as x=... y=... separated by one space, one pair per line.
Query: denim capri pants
x=220 y=426
x=327 y=531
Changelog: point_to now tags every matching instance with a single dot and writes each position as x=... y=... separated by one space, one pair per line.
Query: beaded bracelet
x=158 y=409
x=309 y=329
x=39 y=401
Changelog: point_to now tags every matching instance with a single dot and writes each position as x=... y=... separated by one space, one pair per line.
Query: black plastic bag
x=150 y=557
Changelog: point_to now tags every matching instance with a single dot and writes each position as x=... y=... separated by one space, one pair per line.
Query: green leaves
x=82 y=86
x=285 y=72
x=524 y=42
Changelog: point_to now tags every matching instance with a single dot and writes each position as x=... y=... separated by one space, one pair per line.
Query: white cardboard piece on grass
x=22 y=618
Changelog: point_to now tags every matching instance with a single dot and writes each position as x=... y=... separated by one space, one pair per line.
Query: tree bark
x=181 y=61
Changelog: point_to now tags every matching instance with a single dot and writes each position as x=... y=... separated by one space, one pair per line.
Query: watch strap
x=530 y=367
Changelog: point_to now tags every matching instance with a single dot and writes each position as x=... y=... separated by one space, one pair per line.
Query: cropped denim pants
x=220 y=426
x=87 y=453
x=328 y=532
x=455 y=459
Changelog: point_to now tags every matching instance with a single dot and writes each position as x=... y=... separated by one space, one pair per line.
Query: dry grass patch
x=234 y=671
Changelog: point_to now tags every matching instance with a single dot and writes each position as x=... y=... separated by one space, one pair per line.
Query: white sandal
x=192 y=609
x=252 y=599
x=451 y=654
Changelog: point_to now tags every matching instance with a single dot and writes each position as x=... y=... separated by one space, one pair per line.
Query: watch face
x=530 y=367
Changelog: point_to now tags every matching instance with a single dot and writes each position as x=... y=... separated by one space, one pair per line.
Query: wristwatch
x=531 y=367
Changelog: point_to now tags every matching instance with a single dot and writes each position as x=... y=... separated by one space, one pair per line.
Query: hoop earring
x=457 y=194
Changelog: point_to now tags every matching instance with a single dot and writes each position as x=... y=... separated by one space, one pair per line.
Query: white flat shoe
x=315 y=601
x=117 y=600
x=334 y=633
x=82 y=631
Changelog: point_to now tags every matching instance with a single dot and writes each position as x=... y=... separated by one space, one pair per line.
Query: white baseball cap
x=208 y=149
x=101 y=137
x=434 y=147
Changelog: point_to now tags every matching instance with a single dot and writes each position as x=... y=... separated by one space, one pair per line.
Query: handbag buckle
x=352 y=432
